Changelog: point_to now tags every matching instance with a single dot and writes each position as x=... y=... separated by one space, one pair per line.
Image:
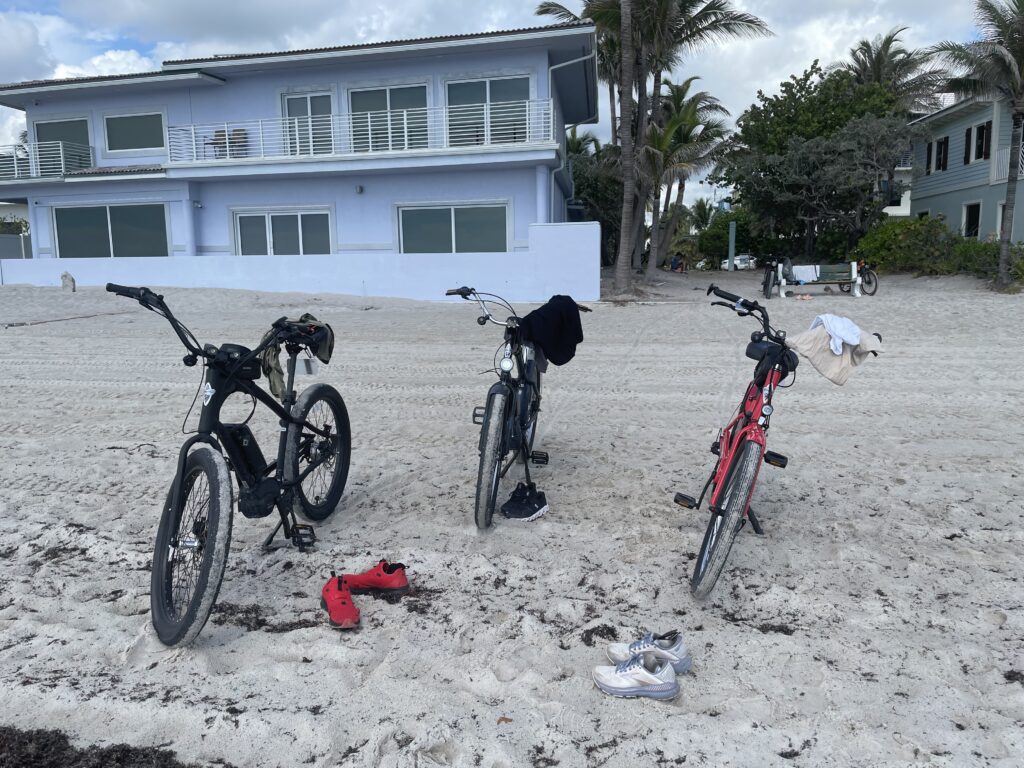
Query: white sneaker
x=667 y=647
x=638 y=676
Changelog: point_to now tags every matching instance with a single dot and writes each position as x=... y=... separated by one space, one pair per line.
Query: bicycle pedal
x=478 y=414
x=775 y=459
x=539 y=457
x=685 y=501
x=303 y=535
x=715 y=449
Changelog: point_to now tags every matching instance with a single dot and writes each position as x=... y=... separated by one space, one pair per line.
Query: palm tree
x=585 y=143
x=700 y=133
x=702 y=212
x=993 y=67
x=626 y=75
x=905 y=73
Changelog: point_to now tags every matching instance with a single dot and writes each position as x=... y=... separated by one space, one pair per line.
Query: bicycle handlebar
x=745 y=307
x=739 y=301
x=155 y=302
x=464 y=292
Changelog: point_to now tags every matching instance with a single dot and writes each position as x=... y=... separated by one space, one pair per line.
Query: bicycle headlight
x=766 y=410
x=506 y=364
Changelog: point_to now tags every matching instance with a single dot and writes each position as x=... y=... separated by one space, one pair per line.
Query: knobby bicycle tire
x=725 y=523
x=191 y=548
x=317 y=496
x=491 y=453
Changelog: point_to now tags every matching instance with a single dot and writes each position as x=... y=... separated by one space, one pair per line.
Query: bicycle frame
x=749 y=425
x=219 y=386
x=521 y=391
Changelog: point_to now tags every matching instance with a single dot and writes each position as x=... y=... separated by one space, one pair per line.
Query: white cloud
x=108 y=63
x=23 y=56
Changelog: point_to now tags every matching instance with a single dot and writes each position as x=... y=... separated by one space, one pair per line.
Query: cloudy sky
x=72 y=38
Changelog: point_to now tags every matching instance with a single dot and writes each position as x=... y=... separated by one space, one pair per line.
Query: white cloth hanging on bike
x=816 y=346
x=842 y=330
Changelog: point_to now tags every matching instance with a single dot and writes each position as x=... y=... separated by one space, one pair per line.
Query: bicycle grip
x=464 y=292
x=723 y=294
x=126 y=291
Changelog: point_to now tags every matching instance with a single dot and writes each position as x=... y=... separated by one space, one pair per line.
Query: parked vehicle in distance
x=741 y=261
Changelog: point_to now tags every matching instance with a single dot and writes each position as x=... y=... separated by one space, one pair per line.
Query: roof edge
x=388 y=46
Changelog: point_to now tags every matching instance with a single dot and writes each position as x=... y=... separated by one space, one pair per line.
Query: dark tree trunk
x=611 y=101
x=1006 y=225
x=622 y=266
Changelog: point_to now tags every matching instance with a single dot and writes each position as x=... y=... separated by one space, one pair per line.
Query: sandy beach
x=878 y=622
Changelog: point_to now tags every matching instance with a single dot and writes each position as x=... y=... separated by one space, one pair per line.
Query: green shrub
x=973 y=257
x=909 y=245
x=928 y=247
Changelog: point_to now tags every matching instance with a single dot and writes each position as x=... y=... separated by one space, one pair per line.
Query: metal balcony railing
x=43 y=160
x=426 y=129
x=1002 y=170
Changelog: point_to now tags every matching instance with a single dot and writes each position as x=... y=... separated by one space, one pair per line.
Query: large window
x=115 y=230
x=389 y=118
x=972 y=219
x=942 y=153
x=309 y=124
x=128 y=132
x=284 y=234
x=454 y=229
x=488 y=111
x=981 y=146
x=73 y=131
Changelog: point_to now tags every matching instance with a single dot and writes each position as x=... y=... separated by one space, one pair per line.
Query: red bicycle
x=740 y=447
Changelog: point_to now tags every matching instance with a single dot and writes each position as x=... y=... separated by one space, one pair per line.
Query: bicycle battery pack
x=246 y=449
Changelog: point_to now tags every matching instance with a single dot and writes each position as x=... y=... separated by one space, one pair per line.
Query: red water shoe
x=336 y=599
x=384 y=579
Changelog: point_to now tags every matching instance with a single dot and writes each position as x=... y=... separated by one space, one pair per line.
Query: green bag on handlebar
x=270 y=358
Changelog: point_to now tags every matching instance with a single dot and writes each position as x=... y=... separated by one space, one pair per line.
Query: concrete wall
x=561 y=258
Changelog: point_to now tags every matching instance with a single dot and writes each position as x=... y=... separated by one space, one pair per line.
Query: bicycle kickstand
x=754 y=522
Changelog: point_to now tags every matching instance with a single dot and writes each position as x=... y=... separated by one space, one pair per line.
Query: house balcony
x=1002 y=167
x=422 y=131
x=46 y=159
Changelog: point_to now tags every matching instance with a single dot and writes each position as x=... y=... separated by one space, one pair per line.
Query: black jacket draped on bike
x=555 y=328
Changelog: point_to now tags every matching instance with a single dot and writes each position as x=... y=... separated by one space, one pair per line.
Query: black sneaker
x=526 y=503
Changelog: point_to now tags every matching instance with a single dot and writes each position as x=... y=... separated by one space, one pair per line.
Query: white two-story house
x=390 y=169
x=965 y=159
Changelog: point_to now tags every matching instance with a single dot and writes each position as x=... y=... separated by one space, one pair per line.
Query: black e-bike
x=307 y=477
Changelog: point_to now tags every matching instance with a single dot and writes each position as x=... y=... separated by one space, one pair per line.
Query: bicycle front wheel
x=869 y=282
x=491 y=454
x=191 y=549
x=321 y=445
x=725 y=523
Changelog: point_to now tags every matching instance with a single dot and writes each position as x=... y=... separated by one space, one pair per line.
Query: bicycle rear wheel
x=191 y=549
x=321 y=406
x=491 y=454
x=725 y=523
x=869 y=282
x=768 y=282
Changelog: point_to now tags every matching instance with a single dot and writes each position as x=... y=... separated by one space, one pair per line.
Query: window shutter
x=945 y=152
x=928 y=159
x=988 y=139
x=967 y=146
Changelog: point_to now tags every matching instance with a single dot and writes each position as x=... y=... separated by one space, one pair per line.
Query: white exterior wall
x=561 y=258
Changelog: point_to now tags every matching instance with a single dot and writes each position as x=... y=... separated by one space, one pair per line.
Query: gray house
x=965 y=160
